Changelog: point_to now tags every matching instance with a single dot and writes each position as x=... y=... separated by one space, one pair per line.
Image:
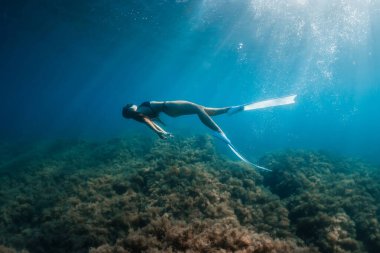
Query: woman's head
x=129 y=111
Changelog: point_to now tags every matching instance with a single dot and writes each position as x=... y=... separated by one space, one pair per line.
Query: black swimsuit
x=154 y=113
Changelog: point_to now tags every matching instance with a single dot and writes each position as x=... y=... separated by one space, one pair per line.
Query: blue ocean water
x=68 y=67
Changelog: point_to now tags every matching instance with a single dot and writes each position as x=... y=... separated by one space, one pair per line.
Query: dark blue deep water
x=67 y=68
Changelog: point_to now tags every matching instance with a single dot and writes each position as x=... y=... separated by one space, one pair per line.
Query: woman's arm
x=156 y=128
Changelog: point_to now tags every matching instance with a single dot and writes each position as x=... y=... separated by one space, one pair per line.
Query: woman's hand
x=157 y=129
x=164 y=135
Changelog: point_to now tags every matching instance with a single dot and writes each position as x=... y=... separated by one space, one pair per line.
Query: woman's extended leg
x=179 y=108
x=216 y=111
x=206 y=119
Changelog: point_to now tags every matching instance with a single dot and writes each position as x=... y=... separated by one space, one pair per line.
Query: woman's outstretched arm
x=156 y=128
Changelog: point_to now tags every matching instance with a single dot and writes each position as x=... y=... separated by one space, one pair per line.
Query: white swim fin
x=224 y=138
x=244 y=159
x=263 y=104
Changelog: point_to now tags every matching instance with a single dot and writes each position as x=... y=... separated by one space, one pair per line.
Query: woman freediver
x=148 y=112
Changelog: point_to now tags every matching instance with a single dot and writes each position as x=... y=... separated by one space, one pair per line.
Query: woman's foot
x=235 y=109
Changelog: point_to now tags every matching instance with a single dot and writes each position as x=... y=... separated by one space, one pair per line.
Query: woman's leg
x=179 y=108
x=206 y=119
x=216 y=111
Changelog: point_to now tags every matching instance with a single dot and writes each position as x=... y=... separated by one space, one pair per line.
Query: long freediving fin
x=271 y=102
x=222 y=136
x=263 y=104
x=244 y=159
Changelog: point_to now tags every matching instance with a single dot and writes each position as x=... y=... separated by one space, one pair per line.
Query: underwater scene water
x=75 y=176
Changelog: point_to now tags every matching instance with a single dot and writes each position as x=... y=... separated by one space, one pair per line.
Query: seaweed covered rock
x=332 y=203
x=225 y=235
x=139 y=195
x=4 y=249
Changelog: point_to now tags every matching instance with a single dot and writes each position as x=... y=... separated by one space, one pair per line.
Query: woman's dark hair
x=131 y=114
x=127 y=113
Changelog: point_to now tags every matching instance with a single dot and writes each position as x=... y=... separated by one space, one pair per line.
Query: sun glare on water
x=315 y=34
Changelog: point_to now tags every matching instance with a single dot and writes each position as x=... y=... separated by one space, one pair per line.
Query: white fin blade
x=238 y=154
x=245 y=160
x=260 y=167
x=270 y=103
